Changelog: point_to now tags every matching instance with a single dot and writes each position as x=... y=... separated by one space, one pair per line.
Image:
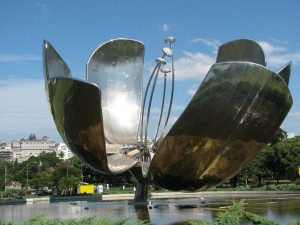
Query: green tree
x=42 y=180
x=256 y=169
x=282 y=159
x=68 y=185
x=47 y=160
x=3 y=174
x=289 y=153
x=280 y=135
x=61 y=154
x=278 y=160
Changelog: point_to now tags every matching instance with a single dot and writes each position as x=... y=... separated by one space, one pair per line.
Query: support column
x=141 y=193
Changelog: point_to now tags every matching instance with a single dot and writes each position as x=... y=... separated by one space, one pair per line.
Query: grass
x=84 y=221
x=236 y=214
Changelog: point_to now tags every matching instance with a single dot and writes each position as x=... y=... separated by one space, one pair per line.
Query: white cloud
x=271 y=49
x=24 y=110
x=192 y=90
x=277 y=55
x=295 y=114
x=193 y=66
x=172 y=120
x=280 y=60
x=292 y=122
x=165 y=27
x=177 y=107
x=278 y=41
x=16 y=58
x=212 y=43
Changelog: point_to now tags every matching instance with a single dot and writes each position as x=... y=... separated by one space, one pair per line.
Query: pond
x=281 y=208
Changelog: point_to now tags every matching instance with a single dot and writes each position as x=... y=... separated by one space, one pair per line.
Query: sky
x=77 y=28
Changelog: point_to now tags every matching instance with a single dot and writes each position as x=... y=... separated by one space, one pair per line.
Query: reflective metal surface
x=54 y=65
x=117 y=68
x=241 y=50
x=285 y=72
x=76 y=109
x=232 y=116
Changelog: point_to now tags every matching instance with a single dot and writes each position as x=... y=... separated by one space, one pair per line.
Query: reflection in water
x=142 y=212
x=279 y=208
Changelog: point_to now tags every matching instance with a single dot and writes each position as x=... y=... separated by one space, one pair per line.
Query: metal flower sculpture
x=104 y=120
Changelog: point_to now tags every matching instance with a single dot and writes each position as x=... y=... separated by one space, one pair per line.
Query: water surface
x=278 y=208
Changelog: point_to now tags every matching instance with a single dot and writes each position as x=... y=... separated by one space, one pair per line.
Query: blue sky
x=76 y=28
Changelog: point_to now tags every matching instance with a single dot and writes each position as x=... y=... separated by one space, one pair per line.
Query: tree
x=42 y=180
x=280 y=135
x=256 y=169
x=278 y=161
x=48 y=160
x=61 y=154
x=282 y=158
x=68 y=185
x=3 y=174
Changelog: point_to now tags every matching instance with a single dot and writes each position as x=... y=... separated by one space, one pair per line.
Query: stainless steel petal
x=235 y=112
x=76 y=109
x=117 y=68
x=285 y=72
x=54 y=65
x=241 y=50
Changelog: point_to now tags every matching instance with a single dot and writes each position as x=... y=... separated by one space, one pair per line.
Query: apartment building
x=6 y=152
x=32 y=146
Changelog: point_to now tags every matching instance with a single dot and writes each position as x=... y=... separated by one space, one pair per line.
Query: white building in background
x=6 y=152
x=27 y=147
x=63 y=152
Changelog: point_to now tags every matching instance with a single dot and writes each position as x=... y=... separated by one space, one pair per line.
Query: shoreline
x=152 y=196
x=175 y=195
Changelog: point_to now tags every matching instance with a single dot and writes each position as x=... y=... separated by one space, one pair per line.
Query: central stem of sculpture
x=147 y=146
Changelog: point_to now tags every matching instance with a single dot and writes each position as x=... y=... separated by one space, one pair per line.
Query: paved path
x=165 y=195
x=161 y=195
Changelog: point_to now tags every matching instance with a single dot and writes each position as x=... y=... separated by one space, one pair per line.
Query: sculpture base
x=141 y=193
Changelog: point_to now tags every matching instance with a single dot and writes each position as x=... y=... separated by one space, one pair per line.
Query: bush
x=85 y=221
x=237 y=213
x=256 y=219
x=231 y=216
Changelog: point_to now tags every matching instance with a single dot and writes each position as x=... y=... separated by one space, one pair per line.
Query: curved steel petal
x=117 y=68
x=54 y=65
x=285 y=72
x=76 y=109
x=235 y=112
x=241 y=50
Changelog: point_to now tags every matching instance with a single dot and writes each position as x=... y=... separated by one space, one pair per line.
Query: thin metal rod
x=143 y=141
x=171 y=98
x=144 y=102
x=162 y=108
x=150 y=102
x=159 y=62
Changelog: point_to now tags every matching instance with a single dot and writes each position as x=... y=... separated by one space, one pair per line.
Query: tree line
x=47 y=170
x=280 y=160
